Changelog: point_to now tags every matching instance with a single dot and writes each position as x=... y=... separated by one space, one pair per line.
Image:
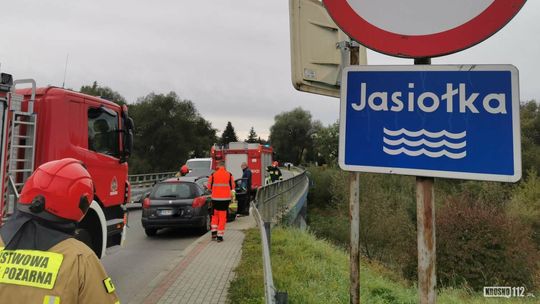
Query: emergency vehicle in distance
x=43 y=124
x=257 y=157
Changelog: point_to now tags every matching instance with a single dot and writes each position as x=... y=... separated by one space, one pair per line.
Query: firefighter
x=184 y=170
x=40 y=260
x=221 y=183
x=275 y=173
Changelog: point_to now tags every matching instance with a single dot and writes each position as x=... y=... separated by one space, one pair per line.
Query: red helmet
x=184 y=169
x=62 y=188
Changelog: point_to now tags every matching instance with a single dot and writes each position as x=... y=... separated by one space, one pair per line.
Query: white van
x=199 y=166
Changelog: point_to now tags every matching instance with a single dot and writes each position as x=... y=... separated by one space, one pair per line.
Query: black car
x=176 y=202
x=203 y=182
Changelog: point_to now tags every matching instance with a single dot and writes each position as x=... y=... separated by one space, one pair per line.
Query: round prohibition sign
x=421 y=28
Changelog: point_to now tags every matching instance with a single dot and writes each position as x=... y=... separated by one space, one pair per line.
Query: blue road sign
x=455 y=121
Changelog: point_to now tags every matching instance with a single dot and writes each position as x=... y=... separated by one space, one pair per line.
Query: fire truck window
x=103 y=132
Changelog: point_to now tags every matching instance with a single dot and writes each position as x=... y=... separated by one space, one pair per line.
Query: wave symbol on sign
x=436 y=142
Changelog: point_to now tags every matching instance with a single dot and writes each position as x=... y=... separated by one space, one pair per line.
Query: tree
x=326 y=142
x=228 y=134
x=530 y=135
x=103 y=92
x=290 y=135
x=252 y=137
x=168 y=131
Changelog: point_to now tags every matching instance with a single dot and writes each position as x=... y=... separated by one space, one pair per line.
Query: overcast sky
x=230 y=57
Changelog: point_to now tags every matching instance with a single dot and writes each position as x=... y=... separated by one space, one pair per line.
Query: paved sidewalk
x=202 y=273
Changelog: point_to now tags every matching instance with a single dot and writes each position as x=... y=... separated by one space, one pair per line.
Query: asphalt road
x=143 y=258
x=286 y=173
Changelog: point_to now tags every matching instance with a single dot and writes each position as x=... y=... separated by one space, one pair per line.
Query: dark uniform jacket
x=275 y=173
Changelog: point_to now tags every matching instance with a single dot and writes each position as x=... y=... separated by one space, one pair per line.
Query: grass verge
x=315 y=271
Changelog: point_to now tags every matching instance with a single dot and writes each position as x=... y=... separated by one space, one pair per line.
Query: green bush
x=387 y=211
x=492 y=193
x=331 y=225
x=387 y=206
x=478 y=245
x=530 y=135
x=477 y=241
x=525 y=203
x=319 y=195
x=328 y=217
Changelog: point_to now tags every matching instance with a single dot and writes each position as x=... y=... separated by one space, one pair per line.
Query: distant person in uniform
x=40 y=260
x=275 y=172
x=184 y=170
x=243 y=203
x=221 y=184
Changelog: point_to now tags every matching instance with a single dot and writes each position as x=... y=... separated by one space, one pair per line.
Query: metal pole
x=425 y=217
x=354 y=208
x=267 y=227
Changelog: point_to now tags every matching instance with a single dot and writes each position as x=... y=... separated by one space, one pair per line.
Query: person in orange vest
x=40 y=260
x=221 y=183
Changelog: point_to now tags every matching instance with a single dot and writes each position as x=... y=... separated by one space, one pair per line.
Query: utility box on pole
x=319 y=49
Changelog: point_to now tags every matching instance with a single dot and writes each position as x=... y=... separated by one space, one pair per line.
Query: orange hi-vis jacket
x=221 y=183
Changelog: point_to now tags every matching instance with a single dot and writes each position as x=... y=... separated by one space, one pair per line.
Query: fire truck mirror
x=128 y=146
x=128 y=137
x=129 y=124
x=6 y=81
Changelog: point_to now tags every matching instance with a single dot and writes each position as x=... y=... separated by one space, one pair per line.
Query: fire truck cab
x=257 y=157
x=43 y=124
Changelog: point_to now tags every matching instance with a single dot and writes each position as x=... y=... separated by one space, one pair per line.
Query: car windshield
x=199 y=164
x=203 y=182
x=174 y=190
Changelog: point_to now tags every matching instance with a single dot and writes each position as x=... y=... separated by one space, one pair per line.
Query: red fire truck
x=257 y=156
x=43 y=124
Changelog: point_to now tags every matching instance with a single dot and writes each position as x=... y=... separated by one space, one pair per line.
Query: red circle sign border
x=476 y=30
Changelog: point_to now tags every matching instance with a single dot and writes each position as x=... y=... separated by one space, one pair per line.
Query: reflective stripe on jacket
x=221 y=183
x=69 y=272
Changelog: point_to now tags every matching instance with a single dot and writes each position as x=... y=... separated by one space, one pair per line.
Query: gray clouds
x=231 y=57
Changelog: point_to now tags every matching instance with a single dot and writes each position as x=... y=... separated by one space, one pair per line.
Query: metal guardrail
x=147 y=180
x=277 y=203
x=269 y=289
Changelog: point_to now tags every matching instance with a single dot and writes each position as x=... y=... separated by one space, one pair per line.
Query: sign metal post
x=354 y=209
x=425 y=232
x=354 y=290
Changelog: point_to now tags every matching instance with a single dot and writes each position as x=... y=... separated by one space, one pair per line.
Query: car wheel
x=207 y=224
x=150 y=231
